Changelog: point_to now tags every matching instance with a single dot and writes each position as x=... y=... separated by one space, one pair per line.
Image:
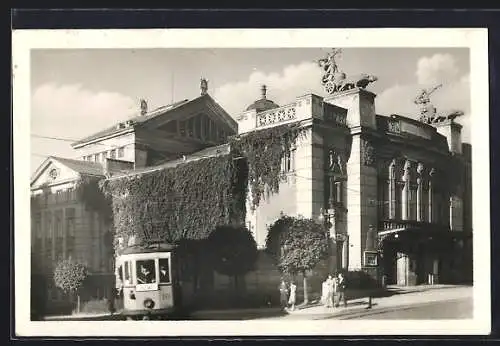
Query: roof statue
x=203 y=86
x=427 y=109
x=144 y=107
x=335 y=80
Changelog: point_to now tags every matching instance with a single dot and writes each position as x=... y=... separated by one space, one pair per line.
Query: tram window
x=164 y=270
x=127 y=272
x=120 y=273
x=146 y=272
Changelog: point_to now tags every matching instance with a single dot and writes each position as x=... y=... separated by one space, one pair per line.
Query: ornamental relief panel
x=368 y=153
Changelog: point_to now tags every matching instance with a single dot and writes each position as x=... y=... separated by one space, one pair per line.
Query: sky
x=77 y=92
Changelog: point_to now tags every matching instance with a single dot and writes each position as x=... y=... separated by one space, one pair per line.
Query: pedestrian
x=293 y=297
x=324 y=292
x=330 y=285
x=283 y=294
x=341 y=290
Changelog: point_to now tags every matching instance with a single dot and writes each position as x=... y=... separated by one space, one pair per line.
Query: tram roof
x=136 y=249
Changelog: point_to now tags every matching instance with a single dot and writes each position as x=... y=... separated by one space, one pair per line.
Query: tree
x=234 y=251
x=303 y=244
x=70 y=277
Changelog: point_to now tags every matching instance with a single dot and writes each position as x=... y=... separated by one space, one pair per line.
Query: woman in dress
x=292 y=299
x=331 y=290
x=324 y=292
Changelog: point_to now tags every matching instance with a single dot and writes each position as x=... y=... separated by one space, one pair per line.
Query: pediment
x=200 y=110
x=52 y=172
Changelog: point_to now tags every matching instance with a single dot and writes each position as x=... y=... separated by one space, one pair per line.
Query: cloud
x=71 y=111
x=430 y=71
x=439 y=68
x=292 y=81
x=57 y=109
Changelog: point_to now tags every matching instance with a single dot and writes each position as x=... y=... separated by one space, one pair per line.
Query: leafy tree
x=70 y=277
x=302 y=245
x=275 y=235
x=234 y=251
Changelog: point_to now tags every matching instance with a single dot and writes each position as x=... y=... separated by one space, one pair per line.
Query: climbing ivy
x=264 y=151
x=184 y=202
x=89 y=192
x=190 y=200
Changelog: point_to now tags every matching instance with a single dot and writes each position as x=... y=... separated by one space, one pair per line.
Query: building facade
x=63 y=226
x=395 y=191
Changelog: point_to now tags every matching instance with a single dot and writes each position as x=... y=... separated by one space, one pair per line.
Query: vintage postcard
x=251 y=182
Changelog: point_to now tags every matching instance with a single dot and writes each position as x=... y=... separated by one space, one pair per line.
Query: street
x=450 y=309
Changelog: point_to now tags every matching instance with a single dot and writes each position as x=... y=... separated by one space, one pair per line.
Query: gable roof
x=130 y=124
x=133 y=121
x=218 y=150
x=82 y=167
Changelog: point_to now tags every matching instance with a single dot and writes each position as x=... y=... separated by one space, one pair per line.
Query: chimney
x=144 y=107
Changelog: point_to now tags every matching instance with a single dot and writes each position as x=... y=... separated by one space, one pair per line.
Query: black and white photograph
x=251 y=182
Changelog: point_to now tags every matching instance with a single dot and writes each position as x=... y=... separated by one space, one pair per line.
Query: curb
x=235 y=312
x=375 y=311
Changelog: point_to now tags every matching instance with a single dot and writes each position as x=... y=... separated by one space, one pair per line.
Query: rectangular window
x=164 y=270
x=182 y=128
x=145 y=272
x=103 y=156
x=48 y=225
x=112 y=154
x=121 y=152
x=96 y=157
x=58 y=224
x=190 y=127
x=288 y=163
x=70 y=222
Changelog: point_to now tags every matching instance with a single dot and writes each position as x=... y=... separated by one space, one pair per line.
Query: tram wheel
x=146 y=317
x=129 y=318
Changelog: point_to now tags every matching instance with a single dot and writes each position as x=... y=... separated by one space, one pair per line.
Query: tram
x=150 y=283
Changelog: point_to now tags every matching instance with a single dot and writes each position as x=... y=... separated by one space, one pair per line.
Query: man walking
x=341 y=288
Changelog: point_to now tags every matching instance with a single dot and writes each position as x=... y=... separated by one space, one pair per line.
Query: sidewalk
x=406 y=297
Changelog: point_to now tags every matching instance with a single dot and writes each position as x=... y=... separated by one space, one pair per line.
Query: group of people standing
x=288 y=295
x=333 y=291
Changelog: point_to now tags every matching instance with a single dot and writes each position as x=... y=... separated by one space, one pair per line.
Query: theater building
x=394 y=192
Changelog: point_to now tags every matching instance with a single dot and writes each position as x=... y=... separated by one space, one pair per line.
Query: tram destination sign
x=146 y=287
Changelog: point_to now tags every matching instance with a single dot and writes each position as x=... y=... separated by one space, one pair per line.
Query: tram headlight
x=149 y=303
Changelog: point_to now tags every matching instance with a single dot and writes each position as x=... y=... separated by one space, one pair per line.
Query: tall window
x=121 y=152
x=112 y=154
x=288 y=162
x=96 y=157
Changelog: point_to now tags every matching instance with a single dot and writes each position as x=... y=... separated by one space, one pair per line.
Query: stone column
x=405 y=200
x=430 y=193
x=361 y=169
x=392 y=189
x=44 y=231
x=420 y=169
x=64 y=230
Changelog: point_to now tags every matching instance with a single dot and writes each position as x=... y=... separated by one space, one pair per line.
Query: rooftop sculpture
x=334 y=80
x=428 y=113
